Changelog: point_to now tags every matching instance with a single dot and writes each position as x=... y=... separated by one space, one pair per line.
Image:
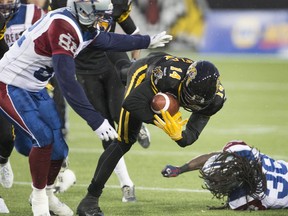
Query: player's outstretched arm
x=194 y=164
x=108 y=41
x=64 y=67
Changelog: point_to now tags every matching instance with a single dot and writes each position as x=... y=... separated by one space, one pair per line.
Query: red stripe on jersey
x=6 y=104
x=60 y=38
x=252 y=205
x=37 y=14
x=232 y=143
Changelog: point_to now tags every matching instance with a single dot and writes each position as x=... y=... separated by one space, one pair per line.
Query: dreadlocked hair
x=230 y=171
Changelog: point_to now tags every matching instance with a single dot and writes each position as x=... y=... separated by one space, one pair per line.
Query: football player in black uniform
x=198 y=89
x=104 y=88
x=6 y=141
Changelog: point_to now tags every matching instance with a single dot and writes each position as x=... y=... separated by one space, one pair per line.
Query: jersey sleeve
x=63 y=38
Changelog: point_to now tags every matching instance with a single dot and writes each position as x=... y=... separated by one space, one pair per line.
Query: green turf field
x=255 y=111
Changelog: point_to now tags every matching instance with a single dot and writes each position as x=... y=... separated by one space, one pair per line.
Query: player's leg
x=123 y=65
x=24 y=144
x=114 y=97
x=128 y=129
x=6 y=148
x=105 y=92
x=49 y=114
x=25 y=115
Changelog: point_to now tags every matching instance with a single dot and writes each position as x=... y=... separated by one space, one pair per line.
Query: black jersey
x=162 y=72
x=168 y=73
x=87 y=58
x=3 y=46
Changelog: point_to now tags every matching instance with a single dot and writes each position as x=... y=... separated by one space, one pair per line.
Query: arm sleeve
x=64 y=68
x=128 y=26
x=193 y=129
x=108 y=41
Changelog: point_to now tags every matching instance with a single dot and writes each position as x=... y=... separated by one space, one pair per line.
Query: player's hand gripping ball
x=165 y=101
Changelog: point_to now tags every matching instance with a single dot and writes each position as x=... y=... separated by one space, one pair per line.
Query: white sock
x=38 y=192
x=122 y=173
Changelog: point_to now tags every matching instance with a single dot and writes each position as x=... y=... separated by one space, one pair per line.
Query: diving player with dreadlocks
x=197 y=87
x=250 y=180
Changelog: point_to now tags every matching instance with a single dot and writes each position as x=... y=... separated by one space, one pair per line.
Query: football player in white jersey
x=46 y=49
x=15 y=18
x=249 y=179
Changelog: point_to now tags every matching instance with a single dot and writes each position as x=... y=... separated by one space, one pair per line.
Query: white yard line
x=185 y=190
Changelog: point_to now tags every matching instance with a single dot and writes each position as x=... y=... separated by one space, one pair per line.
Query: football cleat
x=3 y=207
x=56 y=207
x=6 y=175
x=89 y=206
x=65 y=180
x=128 y=194
x=144 y=136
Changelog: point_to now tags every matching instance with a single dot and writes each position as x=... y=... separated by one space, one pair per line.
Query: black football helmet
x=9 y=8
x=199 y=86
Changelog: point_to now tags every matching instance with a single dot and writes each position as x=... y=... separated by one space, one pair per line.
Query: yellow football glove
x=171 y=125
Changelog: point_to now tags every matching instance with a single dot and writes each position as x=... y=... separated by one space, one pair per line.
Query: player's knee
x=59 y=152
x=44 y=137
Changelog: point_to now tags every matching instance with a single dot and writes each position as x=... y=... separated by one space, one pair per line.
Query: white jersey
x=26 y=16
x=56 y=33
x=276 y=173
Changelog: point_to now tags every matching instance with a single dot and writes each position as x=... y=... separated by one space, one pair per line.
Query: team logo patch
x=157 y=74
x=191 y=73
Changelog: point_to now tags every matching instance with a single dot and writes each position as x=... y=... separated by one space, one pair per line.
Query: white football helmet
x=9 y=7
x=88 y=12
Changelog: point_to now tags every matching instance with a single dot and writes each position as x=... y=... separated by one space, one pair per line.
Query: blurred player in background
x=196 y=86
x=250 y=180
x=45 y=50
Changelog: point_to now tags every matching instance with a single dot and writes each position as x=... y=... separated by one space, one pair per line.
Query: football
x=166 y=101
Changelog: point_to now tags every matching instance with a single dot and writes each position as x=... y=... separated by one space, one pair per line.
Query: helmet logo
x=157 y=73
x=191 y=73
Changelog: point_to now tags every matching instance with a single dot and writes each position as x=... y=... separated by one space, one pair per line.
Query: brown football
x=165 y=101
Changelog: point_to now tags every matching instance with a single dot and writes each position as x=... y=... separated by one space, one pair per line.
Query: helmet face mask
x=199 y=87
x=9 y=7
x=91 y=12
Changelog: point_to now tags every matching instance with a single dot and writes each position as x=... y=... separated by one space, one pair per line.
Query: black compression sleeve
x=128 y=25
x=193 y=129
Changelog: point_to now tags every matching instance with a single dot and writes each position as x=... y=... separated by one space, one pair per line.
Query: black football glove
x=170 y=171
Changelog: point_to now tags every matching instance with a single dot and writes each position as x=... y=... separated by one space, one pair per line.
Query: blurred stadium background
x=226 y=26
x=248 y=41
